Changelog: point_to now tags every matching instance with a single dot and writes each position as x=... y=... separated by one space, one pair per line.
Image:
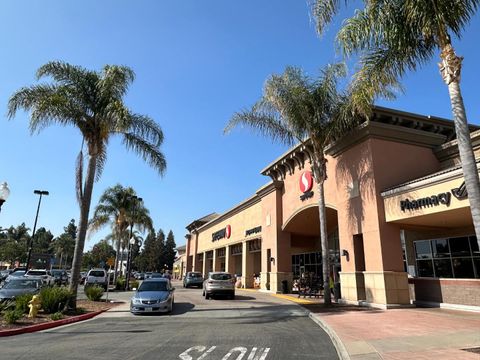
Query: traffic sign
x=111 y=261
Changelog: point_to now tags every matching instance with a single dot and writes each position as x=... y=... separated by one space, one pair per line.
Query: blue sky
x=196 y=63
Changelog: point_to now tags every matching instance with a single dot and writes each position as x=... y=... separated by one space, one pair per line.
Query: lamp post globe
x=4 y=193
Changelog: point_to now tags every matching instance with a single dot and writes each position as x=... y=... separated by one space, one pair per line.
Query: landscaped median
x=48 y=324
x=44 y=321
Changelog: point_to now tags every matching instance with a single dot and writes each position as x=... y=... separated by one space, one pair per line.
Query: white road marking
x=262 y=353
x=260 y=356
x=240 y=349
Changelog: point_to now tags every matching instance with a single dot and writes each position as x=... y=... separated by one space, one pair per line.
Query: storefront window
x=474 y=246
x=443 y=268
x=440 y=248
x=423 y=249
x=425 y=268
x=460 y=246
x=463 y=268
x=450 y=258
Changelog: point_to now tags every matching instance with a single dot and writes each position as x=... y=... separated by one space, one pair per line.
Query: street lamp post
x=131 y=240
x=4 y=193
x=41 y=193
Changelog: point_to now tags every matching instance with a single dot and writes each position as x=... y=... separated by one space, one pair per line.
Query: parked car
x=140 y=276
x=4 y=274
x=16 y=273
x=156 y=275
x=83 y=277
x=219 y=283
x=96 y=277
x=148 y=275
x=153 y=295
x=44 y=274
x=60 y=276
x=19 y=286
x=193 y=278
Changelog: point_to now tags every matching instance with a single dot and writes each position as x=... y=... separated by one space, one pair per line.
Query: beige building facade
x=398 y=219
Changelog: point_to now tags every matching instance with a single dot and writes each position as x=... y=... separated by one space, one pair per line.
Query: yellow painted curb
x=296 y=300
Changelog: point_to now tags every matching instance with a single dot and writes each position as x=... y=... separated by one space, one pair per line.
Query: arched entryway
x=305 y=245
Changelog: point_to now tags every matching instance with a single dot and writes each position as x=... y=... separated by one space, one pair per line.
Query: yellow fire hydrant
x=34 y=306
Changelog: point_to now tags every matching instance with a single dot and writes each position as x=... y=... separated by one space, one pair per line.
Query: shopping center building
x=398 y=219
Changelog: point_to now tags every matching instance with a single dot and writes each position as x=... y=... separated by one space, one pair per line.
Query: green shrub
x=54 y=298
x=56 y=316
x=12 y=316
x=133 y=284
x=7 y=305
x=94 y=292
x=120 y=284
x=21 y=303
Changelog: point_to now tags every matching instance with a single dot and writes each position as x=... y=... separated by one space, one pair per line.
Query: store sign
x=306 y=184
x=434 y=200
x=223 y=233
x=461 y=192
x=254 y=230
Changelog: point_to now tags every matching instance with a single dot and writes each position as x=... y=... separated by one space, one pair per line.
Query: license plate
x=148 y=309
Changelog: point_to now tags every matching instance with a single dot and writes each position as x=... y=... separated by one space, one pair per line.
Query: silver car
x=219 y=283
x=153 y=296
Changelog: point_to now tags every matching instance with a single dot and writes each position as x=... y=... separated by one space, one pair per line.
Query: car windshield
x=97 y=273
x=57 y=272
x=21 y=284
x=153 y=286
x=18 y=273
x=37 y=272
x=221 y=276
x=195 y=275
x=157 y=275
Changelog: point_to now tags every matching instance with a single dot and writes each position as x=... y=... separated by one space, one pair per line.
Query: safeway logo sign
x=306 y=182
x=228 y=231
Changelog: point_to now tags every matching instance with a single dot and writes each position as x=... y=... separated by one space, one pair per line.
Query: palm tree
x=119 y=207
x=63 y=245
x=295 y=108
x=393 y=37
x=92 y=102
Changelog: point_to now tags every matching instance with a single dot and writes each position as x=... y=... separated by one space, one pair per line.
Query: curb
x=49 y=325
x=337 y=342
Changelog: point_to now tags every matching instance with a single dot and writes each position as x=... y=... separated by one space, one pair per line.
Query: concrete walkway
x=409 y=333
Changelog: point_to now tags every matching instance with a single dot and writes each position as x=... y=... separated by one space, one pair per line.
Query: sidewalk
x=397 y=334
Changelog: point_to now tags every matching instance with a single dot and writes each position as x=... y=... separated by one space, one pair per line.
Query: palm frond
x=324 y=11
x=149 y=152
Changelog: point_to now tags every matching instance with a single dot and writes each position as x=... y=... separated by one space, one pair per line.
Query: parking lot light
x=4 y=193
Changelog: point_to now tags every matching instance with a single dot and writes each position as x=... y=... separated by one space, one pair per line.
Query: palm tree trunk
x=320 y=175
x=324 y=242
x=61 y=259
x=116 y=261
x=82 y=227
x=451 y=67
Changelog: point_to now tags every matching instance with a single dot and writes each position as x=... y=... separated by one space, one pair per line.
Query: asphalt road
x=254 y=326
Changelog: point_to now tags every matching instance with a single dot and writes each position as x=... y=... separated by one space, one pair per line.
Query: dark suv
x=60 y=276
x=193 y=279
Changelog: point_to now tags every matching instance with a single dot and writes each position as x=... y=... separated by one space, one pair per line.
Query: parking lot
x=254 y=326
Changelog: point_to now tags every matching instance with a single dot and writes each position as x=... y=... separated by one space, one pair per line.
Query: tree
x=13 y=244
x=394 y=37
x=64 y=245
x=296 y=108
x=170 y=250
x=42 y=241
x=120 y=207
x=99 y=255
x=93 y=103
x=145 y=260
x=158 y=255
